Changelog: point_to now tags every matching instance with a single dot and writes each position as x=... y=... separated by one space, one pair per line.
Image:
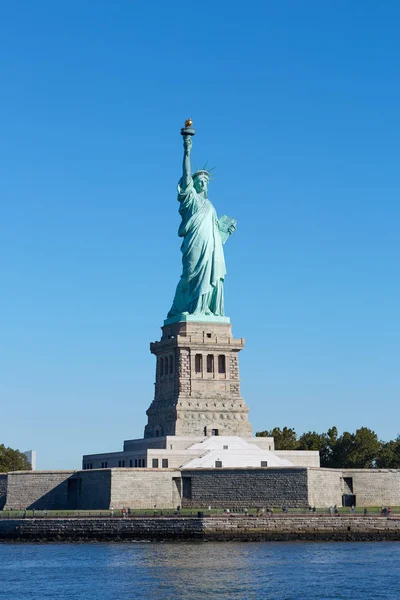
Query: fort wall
x=145 y=488
x=42 y=490
x=245 y=488
x=3 y=490
x=373 y=487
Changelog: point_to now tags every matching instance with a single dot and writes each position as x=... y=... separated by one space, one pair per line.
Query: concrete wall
x=266 y=443
x=3 y=490
x=37 y=490
x=145 y=488
x=374 y=487
x=325 y=487
x=300 y=458
x=251 y=487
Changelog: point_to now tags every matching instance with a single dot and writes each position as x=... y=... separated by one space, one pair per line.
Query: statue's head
x=200 y=181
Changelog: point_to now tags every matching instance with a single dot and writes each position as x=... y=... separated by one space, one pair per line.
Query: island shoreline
x=202 y=529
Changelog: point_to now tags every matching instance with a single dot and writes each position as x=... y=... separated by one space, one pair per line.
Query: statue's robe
x=200 y=289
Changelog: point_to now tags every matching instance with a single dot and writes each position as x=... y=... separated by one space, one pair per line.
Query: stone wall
x=90 y=490
x=374 y=487
x=37 y=490
x=325 y=487
x=219 y=488
x=251 y=487
x=145 y=488
x=3 y=490
x=209 y=528
x=371 y=487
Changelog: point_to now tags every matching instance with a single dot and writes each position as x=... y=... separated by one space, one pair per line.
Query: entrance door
x=349 y=500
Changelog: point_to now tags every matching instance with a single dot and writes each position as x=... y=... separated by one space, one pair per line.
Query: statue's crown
x=203 y=173
x=200 y=173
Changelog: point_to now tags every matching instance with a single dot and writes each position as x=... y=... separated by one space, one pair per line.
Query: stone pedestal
x=197 y=388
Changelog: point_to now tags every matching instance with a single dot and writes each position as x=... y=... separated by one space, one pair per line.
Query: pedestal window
x=198 y=363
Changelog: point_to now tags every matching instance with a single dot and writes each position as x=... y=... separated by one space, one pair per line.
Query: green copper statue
x=200 y=291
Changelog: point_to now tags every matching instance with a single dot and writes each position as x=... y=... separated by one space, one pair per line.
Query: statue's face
x=201 y=184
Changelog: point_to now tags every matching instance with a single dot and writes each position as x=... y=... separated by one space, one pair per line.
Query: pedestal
x=197 y=388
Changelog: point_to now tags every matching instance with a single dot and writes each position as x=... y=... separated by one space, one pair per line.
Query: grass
x=157 y=512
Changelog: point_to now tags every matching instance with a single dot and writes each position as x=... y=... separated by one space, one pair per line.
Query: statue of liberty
x=200 y=290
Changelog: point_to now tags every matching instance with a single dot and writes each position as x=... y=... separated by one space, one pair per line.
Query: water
x=206 y=571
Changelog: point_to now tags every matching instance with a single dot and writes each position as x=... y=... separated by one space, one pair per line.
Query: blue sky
x=297 y=105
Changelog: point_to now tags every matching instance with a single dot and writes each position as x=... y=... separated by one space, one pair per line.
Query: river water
x=206 y=571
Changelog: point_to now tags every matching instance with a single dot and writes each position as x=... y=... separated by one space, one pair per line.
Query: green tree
x=285 y=439
x=366 y=449
x=361 y=449
x=389 y=455
x=13 y=460
x=328 y=449
x=311 y=441
x=358 y=450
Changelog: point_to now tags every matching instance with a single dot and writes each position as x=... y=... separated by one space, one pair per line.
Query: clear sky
x=297 y=105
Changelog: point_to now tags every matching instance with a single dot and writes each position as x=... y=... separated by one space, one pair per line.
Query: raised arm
x=186 y=170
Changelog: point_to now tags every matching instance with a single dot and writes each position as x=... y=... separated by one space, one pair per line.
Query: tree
x=359 y=450
x=13 y=460
x=285 y=439
x=311 y=441
x=366 y=447
x=327 y=451
x=389 y=455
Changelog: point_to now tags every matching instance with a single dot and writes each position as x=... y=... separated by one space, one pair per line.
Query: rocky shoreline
x=219 y=528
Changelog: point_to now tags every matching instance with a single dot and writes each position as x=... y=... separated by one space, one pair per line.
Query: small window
x=102 y=465
x=171 y=364
x=198 y=363
x=123 y=463
x=208 y=335
x=225 y=447
x=91 y=465
x=221 y=363
x=131 y=463
x=161 y=362
x=214 y=431
x=218 y=464
x=155 y=463
x=157 y=433
x=166 y=365
x=210 y=363
x=165 y=463
x=264 y=463
x=135 y=462
x=105 y=465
